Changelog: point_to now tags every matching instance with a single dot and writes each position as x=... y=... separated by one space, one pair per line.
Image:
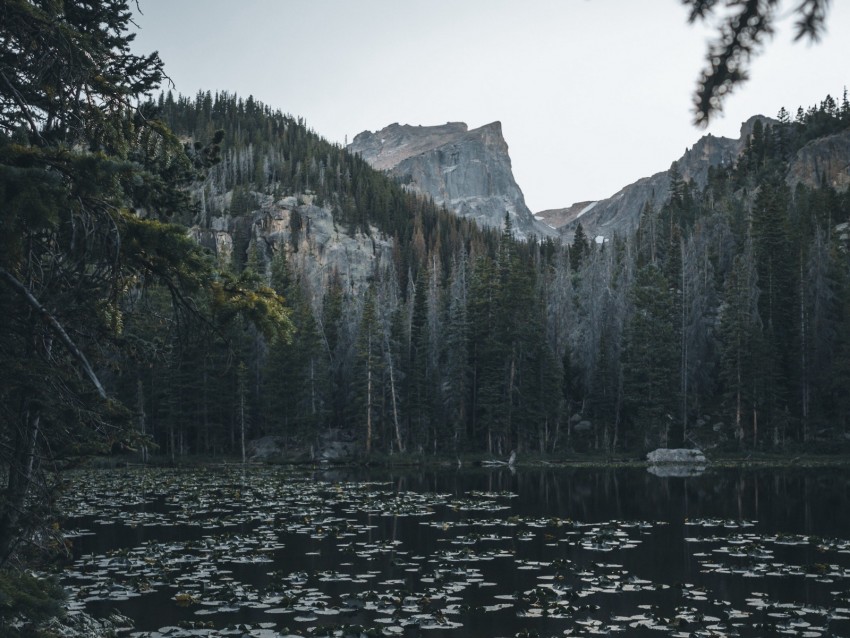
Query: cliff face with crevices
x=822 y=161
x=315 y=246
x=468 y=172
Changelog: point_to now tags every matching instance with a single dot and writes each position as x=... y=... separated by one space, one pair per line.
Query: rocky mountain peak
x=467 y=171
x=393 y=144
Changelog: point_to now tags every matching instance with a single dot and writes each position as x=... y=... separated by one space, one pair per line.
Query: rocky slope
x=315 y=247
x=824 y=160
x=620 y=213
x=469 y=172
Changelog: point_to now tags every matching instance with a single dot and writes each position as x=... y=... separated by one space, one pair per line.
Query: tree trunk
x=684 y=336
x=399 y=442
x=142 y=418
x=369 y=396
x=242 y=423
x=804 y=372
x=739 y=428
x=19 y=482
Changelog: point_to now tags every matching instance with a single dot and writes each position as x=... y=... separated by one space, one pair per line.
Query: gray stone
x=677 y=462
x=675 y=456
x=315 y=247
x=824 y=160
x=469 y=172
x=337 y=451
x=583 y=426
x=337 y=445
x=678 y=471
x=265 y=448
x=576 y=418
x=79 y=624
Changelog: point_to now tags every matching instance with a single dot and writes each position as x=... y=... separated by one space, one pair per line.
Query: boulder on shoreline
x=266 y=448
x=679 y=462
x=675 y=456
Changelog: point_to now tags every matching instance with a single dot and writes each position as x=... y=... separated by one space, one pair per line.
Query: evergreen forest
x=723 y=322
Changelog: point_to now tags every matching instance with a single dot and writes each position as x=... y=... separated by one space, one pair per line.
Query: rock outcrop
x=77 y=623
x=314 y=245
x=266 y=448
x=468 y=172
x=675 y=456
x=676 y=462
x=558 y=217
x=822 y=161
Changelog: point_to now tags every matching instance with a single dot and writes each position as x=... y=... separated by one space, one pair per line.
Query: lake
x=270 y=551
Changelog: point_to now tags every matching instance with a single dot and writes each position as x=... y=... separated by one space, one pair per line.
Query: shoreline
x=412 y=462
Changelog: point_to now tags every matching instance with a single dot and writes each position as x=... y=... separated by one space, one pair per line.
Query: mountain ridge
x=821 y=160
x=620 y=212
x=466 y=170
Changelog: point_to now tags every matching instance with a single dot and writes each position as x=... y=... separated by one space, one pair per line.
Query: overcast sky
x=592 y=94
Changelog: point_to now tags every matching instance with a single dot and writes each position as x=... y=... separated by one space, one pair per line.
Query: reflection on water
x=464 y=553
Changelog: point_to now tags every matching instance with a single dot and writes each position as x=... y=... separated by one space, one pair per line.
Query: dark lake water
x=470 y=553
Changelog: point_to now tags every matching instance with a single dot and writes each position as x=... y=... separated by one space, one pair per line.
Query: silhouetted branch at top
x=742 y=31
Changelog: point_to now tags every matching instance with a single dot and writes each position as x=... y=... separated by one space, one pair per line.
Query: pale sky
x=592 y=94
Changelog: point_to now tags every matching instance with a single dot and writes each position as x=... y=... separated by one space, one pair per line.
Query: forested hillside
x=368 y=363
x=182 y=276
x=724 y=320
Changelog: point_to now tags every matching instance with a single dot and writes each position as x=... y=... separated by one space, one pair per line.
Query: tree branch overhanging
x=57 y=328
x=742 y=30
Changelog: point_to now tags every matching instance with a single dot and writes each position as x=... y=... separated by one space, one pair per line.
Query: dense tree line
x=724 y=318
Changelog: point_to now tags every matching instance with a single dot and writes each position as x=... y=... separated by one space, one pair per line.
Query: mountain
x=467 y=171
x=821 y=161
x=620 y=213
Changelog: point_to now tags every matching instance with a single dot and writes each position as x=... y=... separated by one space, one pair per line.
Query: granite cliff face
x=469 y=172
x=825 y=160
x=315 y=247
x=620 y=213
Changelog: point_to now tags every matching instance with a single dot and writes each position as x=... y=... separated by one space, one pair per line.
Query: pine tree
x=296 y=382
x=485 y=360
x=579 y=248
x=775 y=261
x=75 y=154
x=368 y=375
x=650 y=360
x=455 y=351
x=740 y=346
x=418 y=394
x=839 y=372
